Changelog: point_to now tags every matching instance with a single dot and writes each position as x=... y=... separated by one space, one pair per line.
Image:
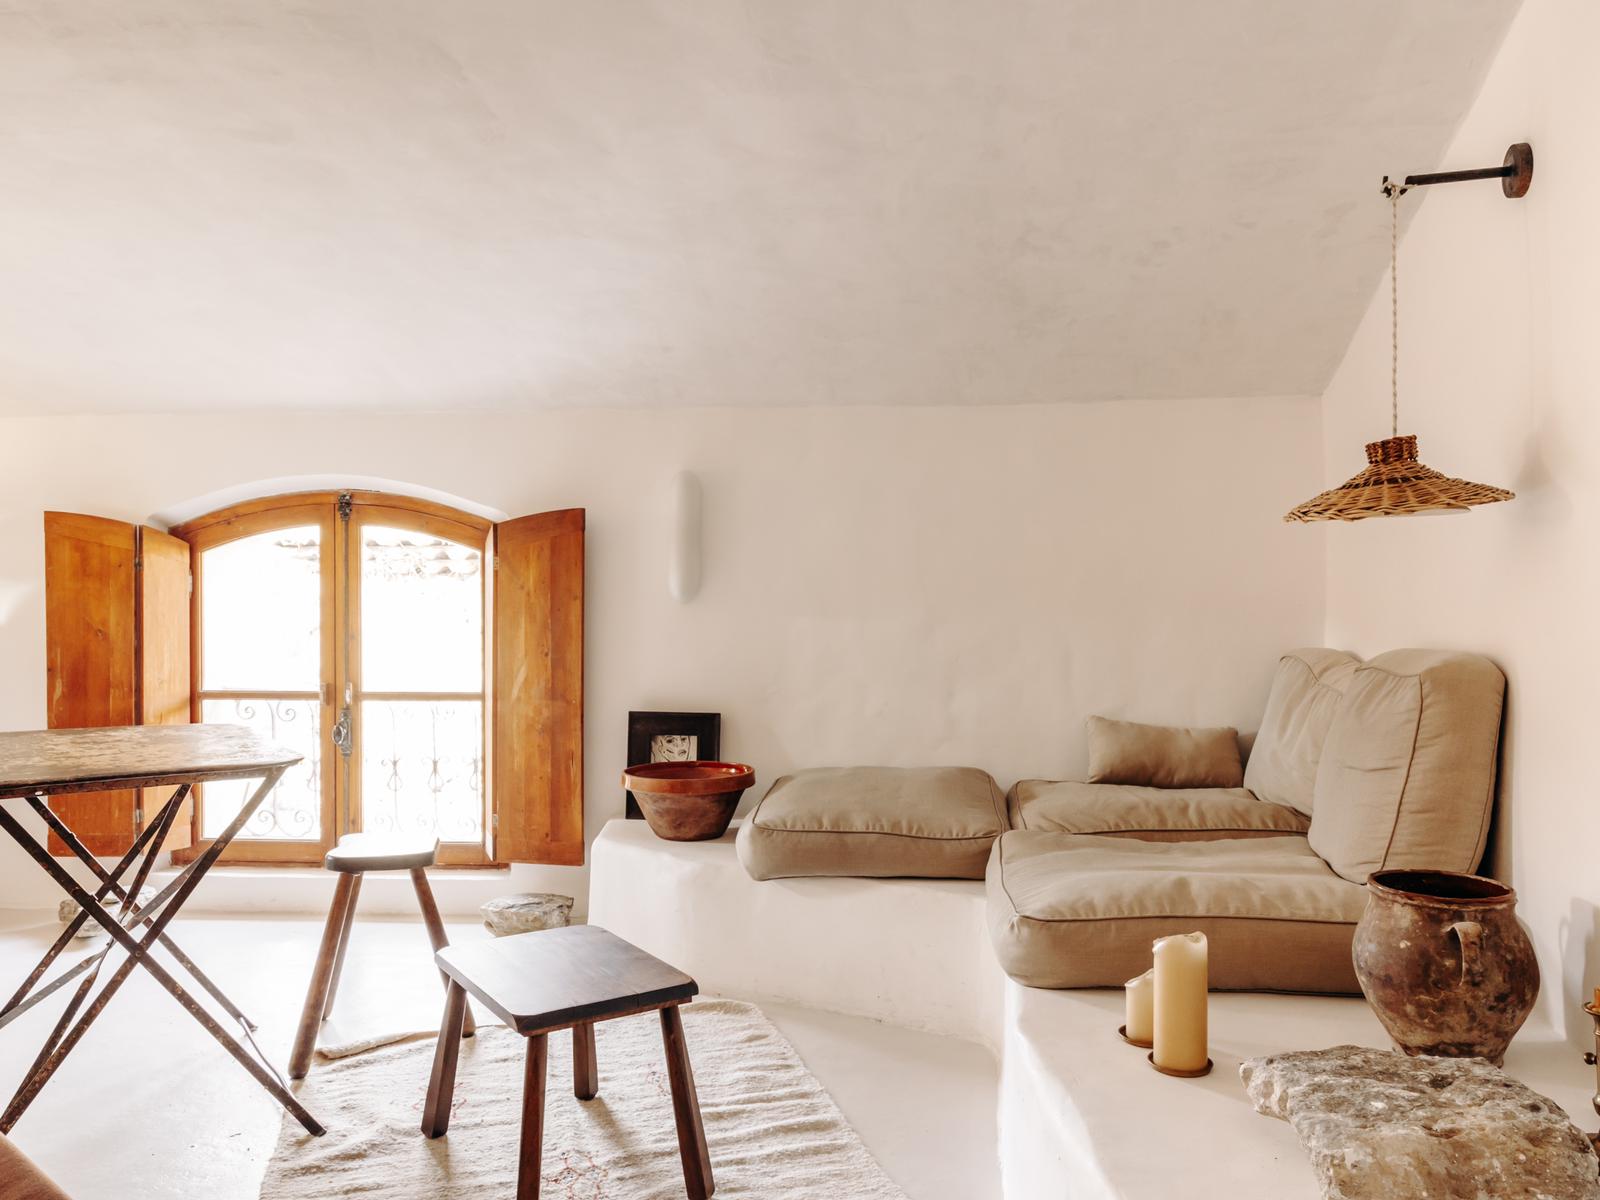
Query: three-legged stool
x=353 y=857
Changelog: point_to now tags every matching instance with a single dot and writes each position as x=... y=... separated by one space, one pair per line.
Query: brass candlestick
x=1593 y=1059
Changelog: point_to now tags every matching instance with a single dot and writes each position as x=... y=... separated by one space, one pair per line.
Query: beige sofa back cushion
x=1162 y=756
x=1407 y=774
x=1300 y=708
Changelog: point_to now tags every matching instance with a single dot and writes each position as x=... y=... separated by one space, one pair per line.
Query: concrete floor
x=149 y=1106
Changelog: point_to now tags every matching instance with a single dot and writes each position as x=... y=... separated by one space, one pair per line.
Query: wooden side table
x=60 y=763
x=540 y=983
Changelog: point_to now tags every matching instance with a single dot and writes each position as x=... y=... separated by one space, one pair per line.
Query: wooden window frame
x=340 y=614
x=379 y=508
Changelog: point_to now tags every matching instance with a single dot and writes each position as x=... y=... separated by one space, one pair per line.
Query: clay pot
x=688 y=801
x=1445 y=963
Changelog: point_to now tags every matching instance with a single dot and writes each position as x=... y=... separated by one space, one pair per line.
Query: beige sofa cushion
x=1300 y=708
x=933 y=822
x=1066 y=910
x=1162 y=755
x=1153 y=814
x=1407 y=774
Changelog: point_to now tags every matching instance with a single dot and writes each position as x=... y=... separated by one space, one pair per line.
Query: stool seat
x=360 y=852
x=551 y=978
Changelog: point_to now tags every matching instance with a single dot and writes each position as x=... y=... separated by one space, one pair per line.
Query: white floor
x=150 y=1106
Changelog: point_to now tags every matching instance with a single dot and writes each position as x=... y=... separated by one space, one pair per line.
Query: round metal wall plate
x=1519 y=156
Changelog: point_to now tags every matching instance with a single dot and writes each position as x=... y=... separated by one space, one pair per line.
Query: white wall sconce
x=683 y=567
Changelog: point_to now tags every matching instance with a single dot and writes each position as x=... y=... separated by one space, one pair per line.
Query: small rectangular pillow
x=1162 y=755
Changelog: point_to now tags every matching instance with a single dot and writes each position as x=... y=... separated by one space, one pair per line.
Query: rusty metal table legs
x=129 y=919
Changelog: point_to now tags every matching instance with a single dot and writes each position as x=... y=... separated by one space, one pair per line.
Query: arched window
x=350 y=626
x=425 y=662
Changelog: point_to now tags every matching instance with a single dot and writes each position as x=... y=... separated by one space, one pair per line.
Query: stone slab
x=1379 y=1125
x=90 y=930
x=526 y=912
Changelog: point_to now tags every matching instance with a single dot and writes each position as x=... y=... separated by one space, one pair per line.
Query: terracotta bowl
x=688 y=801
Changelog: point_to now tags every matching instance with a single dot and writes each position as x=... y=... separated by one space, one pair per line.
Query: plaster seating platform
x=1081 y=1113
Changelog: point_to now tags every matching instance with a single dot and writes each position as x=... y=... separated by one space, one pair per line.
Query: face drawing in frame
x=674 y=747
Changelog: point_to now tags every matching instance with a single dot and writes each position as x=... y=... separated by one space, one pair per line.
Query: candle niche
x=1181 y=983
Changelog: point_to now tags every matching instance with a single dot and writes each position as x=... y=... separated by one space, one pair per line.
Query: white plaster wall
x=927 y=585
x=1499 y=367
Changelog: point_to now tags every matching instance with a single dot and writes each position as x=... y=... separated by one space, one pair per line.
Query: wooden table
x=554 y=979
x=64 y=762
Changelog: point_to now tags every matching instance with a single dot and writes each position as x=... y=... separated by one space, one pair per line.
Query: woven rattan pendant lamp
x=1395 y=484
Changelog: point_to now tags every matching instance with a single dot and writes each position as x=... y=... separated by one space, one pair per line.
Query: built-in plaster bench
x=1080 y=1114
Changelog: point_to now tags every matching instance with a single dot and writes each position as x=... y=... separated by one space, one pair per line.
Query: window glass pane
x=293 y=809
x=261 y=613
x=422 y=768
x=421 y=613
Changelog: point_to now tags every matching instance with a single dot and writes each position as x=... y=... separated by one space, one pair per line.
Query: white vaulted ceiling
x=504 y=203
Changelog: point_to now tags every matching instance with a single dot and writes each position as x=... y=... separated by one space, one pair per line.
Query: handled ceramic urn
x=1445 y=963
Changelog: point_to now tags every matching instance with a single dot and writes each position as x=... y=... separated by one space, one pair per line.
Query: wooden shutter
x=116 y=653
x=90 y=659
x=538 y=688
x=163 y=657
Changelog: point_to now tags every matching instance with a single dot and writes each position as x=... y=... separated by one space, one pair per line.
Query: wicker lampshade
x=1395 y=484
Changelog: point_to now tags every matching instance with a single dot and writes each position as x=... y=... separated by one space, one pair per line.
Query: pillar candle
x=1180 y=1002
x=1141 y=994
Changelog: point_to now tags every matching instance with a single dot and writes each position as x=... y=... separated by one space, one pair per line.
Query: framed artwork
x=671 y=737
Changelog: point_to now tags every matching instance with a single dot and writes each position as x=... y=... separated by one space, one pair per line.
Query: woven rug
x=774 y=1132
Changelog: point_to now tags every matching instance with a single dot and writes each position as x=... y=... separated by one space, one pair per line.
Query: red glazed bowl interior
x=689 y=778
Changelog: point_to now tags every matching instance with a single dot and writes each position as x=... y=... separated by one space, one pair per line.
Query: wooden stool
x=356 y=854
x=556 y=979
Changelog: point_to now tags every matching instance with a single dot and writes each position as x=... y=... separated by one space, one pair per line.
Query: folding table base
x=121 y=924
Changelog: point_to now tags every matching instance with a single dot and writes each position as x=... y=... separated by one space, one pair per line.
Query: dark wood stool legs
x=532 y=1146
x=686 y=1108
x=330 y=962
x=585 y=1069
x=329 y=955
x=442 y=1083
x=697 y=1178
x=442 y=1090
x=436 y=935
x=344 y=944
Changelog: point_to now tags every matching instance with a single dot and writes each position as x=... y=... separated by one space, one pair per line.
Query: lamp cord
x=1394 y=191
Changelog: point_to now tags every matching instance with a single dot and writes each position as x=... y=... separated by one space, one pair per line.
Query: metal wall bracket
x=1515 y=174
